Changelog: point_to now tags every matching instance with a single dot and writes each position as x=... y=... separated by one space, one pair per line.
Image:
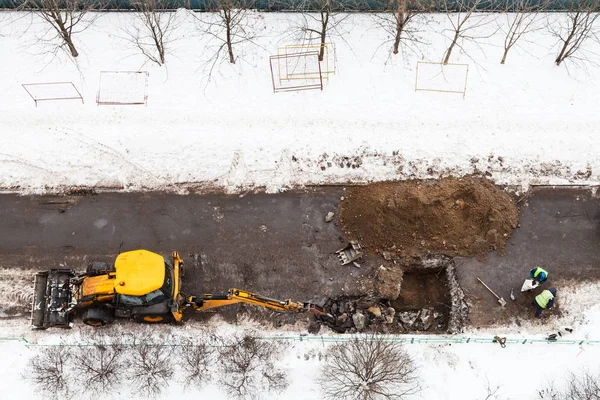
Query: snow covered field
x=525 y=122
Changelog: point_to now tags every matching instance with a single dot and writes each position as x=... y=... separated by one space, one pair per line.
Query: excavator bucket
x=51 y=299
x=351 y=252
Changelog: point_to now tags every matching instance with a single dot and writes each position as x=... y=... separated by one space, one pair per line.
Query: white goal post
x=438 y=77
x=123 y=88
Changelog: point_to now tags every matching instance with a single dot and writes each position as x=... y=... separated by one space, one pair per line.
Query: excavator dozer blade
x=51 y=299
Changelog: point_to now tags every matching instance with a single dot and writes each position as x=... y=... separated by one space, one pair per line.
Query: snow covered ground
x=447 y=370
x=525 y=122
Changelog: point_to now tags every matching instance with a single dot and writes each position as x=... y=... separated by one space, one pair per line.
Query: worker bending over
x=538 y=274
x=544 y=300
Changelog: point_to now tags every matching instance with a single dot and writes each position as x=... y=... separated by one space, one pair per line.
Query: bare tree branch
x=228 y=24
x=153 y=32
x=369 y=368
x=50 y=372
x=248 y=367
x=491 y=393
x=321 y=20
x=581 y=386
x=579 y=27
x=466 y=22
x=521 y=16
x=151 y=366
x=65 y=17
x=196 y=360
x=401 y=19
x=100 y=365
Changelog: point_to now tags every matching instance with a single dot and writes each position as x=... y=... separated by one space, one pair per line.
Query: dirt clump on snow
x=466 y=216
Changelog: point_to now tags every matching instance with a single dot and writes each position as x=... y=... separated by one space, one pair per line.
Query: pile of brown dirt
x=453 y=216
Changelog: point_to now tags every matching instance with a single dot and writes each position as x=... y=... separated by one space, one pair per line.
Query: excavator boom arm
x=234 y=296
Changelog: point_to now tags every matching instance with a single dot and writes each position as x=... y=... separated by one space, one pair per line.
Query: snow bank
x=526 y=122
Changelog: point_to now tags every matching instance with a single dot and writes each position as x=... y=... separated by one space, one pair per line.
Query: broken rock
x=390 y=312
x=376 y=311
x=426 y=318
x=360 y=320
x=329 y=216
x=407 y=318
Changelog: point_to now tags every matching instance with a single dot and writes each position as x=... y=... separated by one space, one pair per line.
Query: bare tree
x=65 y=17
x=249 y=367
x=229 y=25
x=50 y=372
x=399 y=19
x=154 y=29
x=491 y=392
x=521 y=16
x=196 y=360
x=368 y=368
x=100 y=365
x=465 y=22
x=578 y=28
x=321 y=19
x=582 y=386
x=150 y=367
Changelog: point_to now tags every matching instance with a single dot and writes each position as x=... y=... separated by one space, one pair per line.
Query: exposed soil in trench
x=453 y=216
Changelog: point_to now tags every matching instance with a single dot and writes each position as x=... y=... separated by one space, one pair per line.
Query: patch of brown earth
x=453 y=216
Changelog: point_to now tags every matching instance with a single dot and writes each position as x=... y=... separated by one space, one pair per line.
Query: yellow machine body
x=139 y=272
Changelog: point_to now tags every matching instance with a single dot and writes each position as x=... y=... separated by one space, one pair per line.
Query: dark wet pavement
x=279 y=244
x=560 y=231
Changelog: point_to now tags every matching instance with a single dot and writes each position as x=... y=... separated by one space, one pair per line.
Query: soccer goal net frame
x=463 y=83
x=123 y=88
x=311 y=80
x=45 y=91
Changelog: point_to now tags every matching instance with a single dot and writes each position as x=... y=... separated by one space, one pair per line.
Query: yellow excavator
x=141 y=285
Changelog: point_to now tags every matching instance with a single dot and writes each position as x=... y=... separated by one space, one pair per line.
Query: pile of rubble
x=422 y=320
x=377 y=314
x=350 y=317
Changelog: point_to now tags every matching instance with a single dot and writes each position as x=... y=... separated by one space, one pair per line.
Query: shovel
x=500 y=299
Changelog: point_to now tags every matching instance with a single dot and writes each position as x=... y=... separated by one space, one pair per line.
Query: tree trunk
x=449 y=52
x=324 y=22
x=64 y=33
x=70 y=45
x=322 y=49
x=161 y=53
x=561 y=55
x=504 y=55
x=228 y=33
x=399 y=14
x=399 y=29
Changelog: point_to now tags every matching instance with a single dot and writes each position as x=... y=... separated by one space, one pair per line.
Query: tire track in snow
x=117 y=156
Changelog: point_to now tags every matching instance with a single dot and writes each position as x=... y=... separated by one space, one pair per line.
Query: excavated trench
x=430 y=300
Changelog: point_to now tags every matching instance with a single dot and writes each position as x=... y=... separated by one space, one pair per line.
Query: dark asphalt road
x=279 y=245
x=560 y=231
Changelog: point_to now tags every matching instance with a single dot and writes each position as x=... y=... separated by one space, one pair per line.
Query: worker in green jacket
x=544 y=300
x=538 y=274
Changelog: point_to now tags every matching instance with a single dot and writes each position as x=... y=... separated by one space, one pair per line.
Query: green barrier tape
x=342 y=339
